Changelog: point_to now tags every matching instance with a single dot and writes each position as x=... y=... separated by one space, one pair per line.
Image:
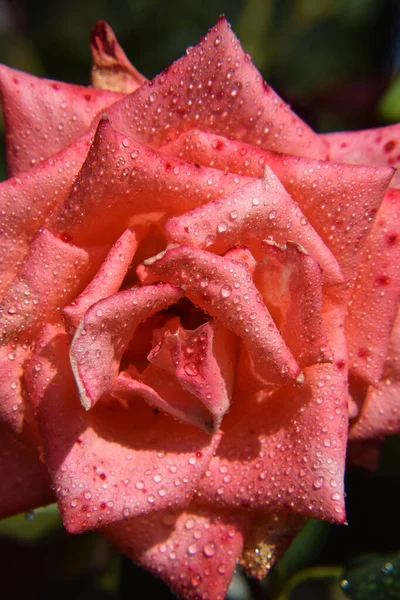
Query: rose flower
x=196 y=288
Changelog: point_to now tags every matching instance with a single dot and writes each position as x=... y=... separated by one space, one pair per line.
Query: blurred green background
x=336 y=62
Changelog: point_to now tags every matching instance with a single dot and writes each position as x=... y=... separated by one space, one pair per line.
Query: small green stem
x=312 y=573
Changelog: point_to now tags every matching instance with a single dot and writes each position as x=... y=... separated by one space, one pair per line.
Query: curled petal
x=259 y=209
x=194 y=551
x=111 y=69
x=25 y=482
x=107 y=280
x=202 y=361
x=43 y=116
x=122 y=178
x=285 y=451
x=28 y=202
x=291 y=284
x=375 y=299
x=105 y=332
x=217 y=88
x=224 y=289
x=114 y=461
x=53 y=273
x=339 y=200
x=377 y=147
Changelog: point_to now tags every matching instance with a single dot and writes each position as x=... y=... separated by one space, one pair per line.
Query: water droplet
x=209 y=550
x=191 y=369
x=226 y=291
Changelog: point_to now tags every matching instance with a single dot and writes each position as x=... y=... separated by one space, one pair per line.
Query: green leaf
x=376 y=578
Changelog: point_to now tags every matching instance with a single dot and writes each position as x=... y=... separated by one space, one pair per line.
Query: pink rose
x=195 y=289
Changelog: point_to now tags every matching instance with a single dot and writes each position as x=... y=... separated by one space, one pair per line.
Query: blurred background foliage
x=337 y=63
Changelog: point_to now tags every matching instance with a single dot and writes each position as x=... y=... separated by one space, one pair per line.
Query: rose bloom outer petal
x=122 y=178
x=291 y=283
x=53 y=273
x=42 y=116
x=107 y=280
x=25 y=482
x=379 y=413
x=111 y=69
x=105 y=332
x=374 y=303
x=194 y=551
x=28 y=202
x=224 y=289
x=338 y=200
x=260 y=209
x=114 y=461
x=286 y=451
x=15 y=407
x=378 y=147
x=217 y=88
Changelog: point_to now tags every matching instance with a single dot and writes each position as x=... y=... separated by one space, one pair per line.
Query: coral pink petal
x=25 y=482
x=111 y=68
x=15 y=408
x=285 y=451
x=43 y=116
x=379 y=414
x=105 y=332
x=53 y=273
x=262 y=208
x=215 y=87
x=377 y=147
x=203 y=362
x=290 y=282
x=162 y=391
x=122 y=178
x=107 y=280
x=194 y=551
x=224 y=289
x=28 y=202
x=114 y=461
x=375 y=298
x=338 y=200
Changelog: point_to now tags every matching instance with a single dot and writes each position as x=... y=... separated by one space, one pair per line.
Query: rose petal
x=259 y=209
x=43 y=116
x=285 y=451
x=375 y=299
x=25 y=482
x=216 y=88
x=53 y=273
x=15 y=408
x=107 y=280
x=377 y=147
x=113 y=461
x=291 y=284
x=338 y=200
x=111 y=69
x=162 y=391
x=379 y=413
x=194 y=552
x=105 y=332
x=224 y=289
x=202 y=362
x=121 y=179
x=28 y=202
